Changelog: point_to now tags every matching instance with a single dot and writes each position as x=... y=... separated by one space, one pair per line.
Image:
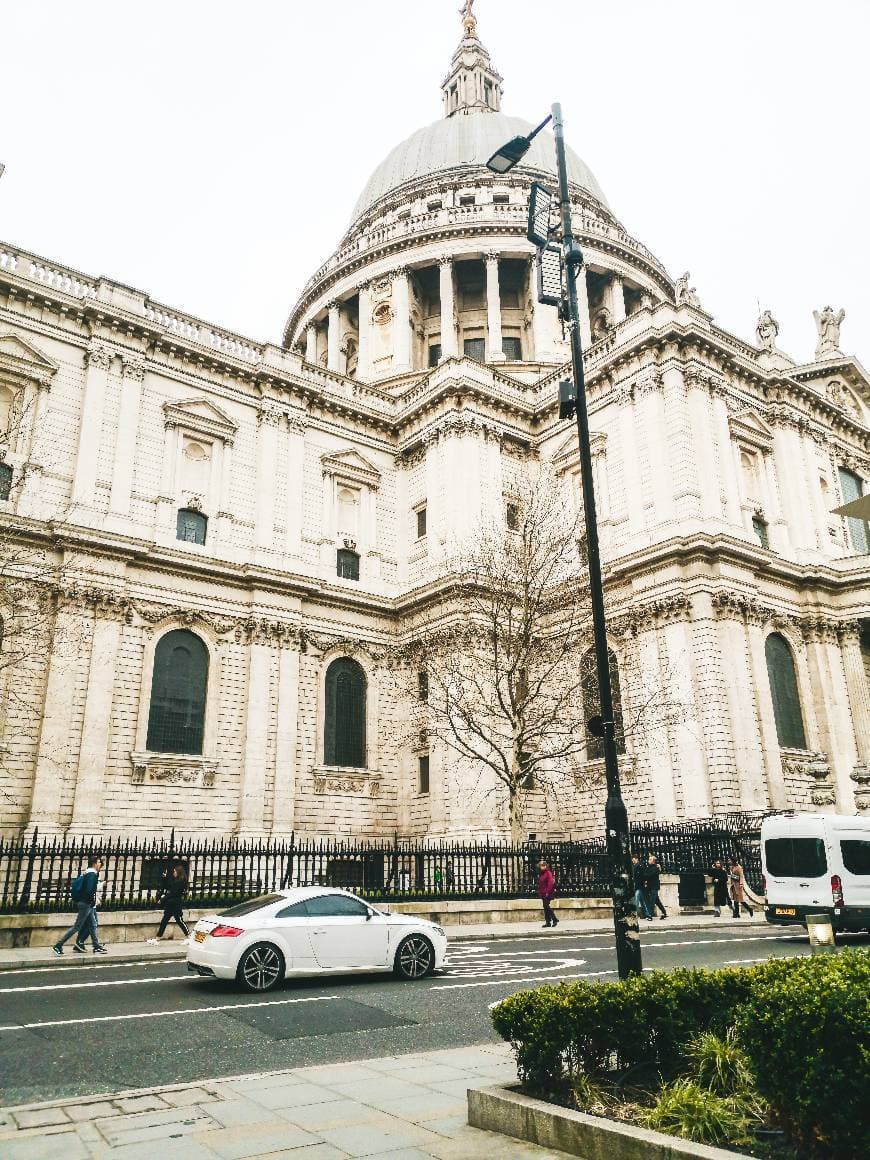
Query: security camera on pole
x=557 y=285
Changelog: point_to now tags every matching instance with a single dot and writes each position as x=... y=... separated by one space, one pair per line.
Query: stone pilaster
x=493 y=310
x=311 y=344
x=132 y=374
x=449 y=343
x=257 y=711
x=98 y=361
x=295 y=453
x=268 y=422
x=283 y=809
x=364 y=350
x=333 y=338
x=703 y=448
x=728 y=477
x=651 y=408
x=401 y=321
x=616 y=299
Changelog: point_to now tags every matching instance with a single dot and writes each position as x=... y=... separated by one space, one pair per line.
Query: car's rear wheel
x=415 y=958
x=261 y=967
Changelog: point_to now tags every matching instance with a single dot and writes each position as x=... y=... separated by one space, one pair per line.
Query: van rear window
x=795 y=857
x=856 y=855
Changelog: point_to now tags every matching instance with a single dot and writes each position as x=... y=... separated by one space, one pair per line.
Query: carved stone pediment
x=21 y=360
x=567 y=457
x=201 y=417
x=173 y=769
x=749 y=427
x=352 y=466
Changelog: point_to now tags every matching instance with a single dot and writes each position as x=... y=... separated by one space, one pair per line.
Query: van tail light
x=837 y=889
x=226 y=932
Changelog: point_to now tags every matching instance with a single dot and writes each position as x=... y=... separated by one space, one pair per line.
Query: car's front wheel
x=261 y=967
x=415 y=958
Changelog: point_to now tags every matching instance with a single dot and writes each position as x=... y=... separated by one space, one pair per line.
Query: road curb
x=179 y=952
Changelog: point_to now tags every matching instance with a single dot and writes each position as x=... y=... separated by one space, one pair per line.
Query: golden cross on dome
x=469 y=20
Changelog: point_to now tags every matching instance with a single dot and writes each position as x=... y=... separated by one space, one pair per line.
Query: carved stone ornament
x=98 y=355
x=133 y=368
x=194 y=502
x=153 y=613
x=360 y=786
x=173 y=769
x=861 y=776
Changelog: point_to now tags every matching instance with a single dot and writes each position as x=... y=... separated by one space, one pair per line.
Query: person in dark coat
x=719 y=875
x=546 y=892
x=638 y=879
x=652 y=886
x=174 y=890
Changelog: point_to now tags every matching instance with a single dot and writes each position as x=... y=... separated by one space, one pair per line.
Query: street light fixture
x=628 y=953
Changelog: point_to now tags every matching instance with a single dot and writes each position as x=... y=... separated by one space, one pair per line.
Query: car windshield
x=795 y=857
x=251 y=905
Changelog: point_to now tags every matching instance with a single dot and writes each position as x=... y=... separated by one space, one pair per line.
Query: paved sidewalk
x=409 y=1107
x=16 y=958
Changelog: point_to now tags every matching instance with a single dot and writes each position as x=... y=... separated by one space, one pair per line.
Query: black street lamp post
x=628 y=952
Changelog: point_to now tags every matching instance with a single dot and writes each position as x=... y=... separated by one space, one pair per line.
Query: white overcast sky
x=210 y=153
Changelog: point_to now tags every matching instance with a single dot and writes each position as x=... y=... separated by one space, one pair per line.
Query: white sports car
x=309 y=930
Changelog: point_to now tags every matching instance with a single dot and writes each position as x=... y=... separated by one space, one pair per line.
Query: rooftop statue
x=469 y=20
x=766 y=330
x=828 y=327
x=685 y=294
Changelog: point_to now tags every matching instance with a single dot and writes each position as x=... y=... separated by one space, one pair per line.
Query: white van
x=816 y=864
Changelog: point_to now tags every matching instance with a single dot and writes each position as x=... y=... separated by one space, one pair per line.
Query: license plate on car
x=784 y=910
x=199 y=935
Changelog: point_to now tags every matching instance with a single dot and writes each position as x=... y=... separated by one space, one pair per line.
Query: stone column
x=616 y=299
x=654 y=741
x=787 y=454
x=686 y=748
x=831 y=698
x=295 y=451
x=401 y=321
x=583 y=308
x=434 y=513
x=268 y=421
x=164 y=512
x=733 y=511
x=449 y=343
x=818 y=514
x=333 y=338
x=98 y=360
x=743 y=714
x=776 y=789
x=630 y=473
x=132 y=374
x=31 y=492
x=225 y=511
x=311 y=344
x=283 y=808
x=652 y=422
x=859 y=706
x=364 y=353
x=53 y=765
x=253 y=781
x=713 y=706
x=91 y=775
x=778 y=527
x=493 y=309
x=704 y=448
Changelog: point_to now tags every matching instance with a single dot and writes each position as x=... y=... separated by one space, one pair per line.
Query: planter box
x=500 y=1109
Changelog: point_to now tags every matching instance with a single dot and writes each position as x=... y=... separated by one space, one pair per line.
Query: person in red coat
x=546 y=892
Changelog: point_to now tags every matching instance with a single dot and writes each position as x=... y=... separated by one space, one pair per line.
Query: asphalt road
x=67 y=1031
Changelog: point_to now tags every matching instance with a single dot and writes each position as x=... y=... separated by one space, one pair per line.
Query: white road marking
x=528 y=979
x=103 y=966
x=96 y=983
x=158 y=1014
x=495 y=968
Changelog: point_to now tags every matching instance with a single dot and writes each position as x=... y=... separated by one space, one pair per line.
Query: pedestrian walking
x=84 y=895
x=638 y=881
x=652 y=886
x=546 y=893
x=437 y=878
x=449 y=876
x=719 y=876
x=173 y=893
x=737 y=888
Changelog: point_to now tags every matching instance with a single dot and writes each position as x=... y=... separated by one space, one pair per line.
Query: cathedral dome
x=467 y=141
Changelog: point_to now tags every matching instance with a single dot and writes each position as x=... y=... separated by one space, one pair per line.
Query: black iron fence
x=36 y=873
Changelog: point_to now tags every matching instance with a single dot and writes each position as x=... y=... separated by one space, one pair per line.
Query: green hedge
x=804 y=1024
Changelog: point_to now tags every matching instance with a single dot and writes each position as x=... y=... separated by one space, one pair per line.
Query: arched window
x=592 y=706
x=176 y=719
x=852 y=487
x=344 y=732
x=347 y=564
x=191 y=526
x=5 y=480
x=784 y=692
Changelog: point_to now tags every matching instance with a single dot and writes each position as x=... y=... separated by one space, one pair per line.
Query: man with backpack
x=84 y=895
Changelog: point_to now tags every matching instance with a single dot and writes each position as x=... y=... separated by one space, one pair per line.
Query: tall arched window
x=191 y=526
x=176 y=719
x=592 y=707
x=344 y=729
x=784 y=692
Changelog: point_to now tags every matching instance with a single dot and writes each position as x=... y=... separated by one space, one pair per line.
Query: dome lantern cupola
x=472 y=83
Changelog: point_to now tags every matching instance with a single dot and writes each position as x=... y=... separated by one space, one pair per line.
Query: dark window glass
x=191 y=526
x=297 y=910
x=434 y=354
x=760 y=528
x=421 y=522
x=251 y=905
x=856 y=855
x=475 y=348
x=512 y=516
x=344 y=741
x=177 y=715
x=423 y=772
x=423 y=685
x=784 y=692
x=500 y=199
x=527 y=779
x=347 y=564
x=5 y=480
x=513 y=349
x=852 y=487
x=795 y=857
x=592 y=706
x=335 y=905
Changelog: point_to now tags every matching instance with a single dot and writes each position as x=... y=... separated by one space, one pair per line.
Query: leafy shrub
x=806 y=1032
x=686 y=1108
x=720 y=1064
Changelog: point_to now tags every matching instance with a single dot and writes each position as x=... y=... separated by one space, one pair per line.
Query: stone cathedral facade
x=232 y=536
